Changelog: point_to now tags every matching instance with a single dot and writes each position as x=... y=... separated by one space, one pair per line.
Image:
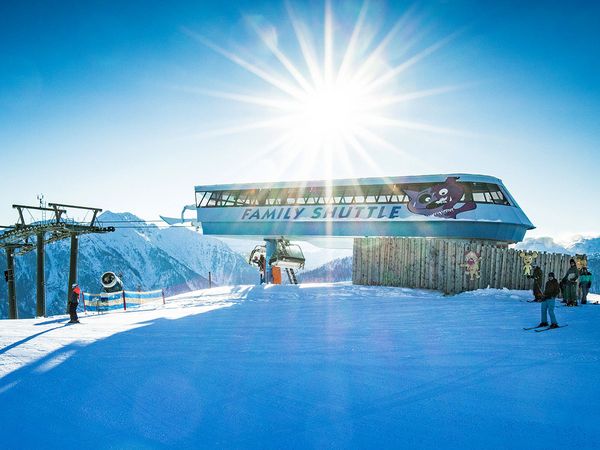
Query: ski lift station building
x=434 y=206
x=449 y=232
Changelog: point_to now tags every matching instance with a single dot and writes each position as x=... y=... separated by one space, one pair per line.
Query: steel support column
x=40 y=310
x=72 y=265
x=270 y=247
x=12 y=294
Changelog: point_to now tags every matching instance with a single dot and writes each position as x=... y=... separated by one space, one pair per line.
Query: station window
x=202 y=199
x=340 y=195
x=487 y=193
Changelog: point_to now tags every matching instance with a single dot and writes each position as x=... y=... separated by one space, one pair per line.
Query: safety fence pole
x=124 y=301
x=163 y=295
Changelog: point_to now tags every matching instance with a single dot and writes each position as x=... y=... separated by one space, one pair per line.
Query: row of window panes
x=339 y=195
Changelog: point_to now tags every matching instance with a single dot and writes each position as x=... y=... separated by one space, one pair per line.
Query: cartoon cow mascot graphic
x=527 y=262
x=471 y=265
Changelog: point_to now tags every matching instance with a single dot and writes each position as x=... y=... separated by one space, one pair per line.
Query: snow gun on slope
x=111 y=282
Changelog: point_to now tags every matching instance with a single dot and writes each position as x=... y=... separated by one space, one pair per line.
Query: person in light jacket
x=570 y=284
x=585 y=283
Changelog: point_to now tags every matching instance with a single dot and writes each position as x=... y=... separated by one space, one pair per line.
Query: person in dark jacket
x=570 y=284
x=538 y=282
x=550 y=292
x=561 y=288
x=73 y=302
x=262 y=264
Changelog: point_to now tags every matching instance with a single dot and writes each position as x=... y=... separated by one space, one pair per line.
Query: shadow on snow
x=301 y=368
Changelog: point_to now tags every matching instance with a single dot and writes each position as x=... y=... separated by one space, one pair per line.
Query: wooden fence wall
x=439 y=264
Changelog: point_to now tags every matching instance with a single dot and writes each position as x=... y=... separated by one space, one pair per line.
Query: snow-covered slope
x=309 y=366
x=177 y=260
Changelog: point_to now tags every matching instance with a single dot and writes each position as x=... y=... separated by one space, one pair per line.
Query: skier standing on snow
x=538 y=280
x=262 y=264
x=73 y=302
x=585 y=283
x=550 y=292
x=570 y=284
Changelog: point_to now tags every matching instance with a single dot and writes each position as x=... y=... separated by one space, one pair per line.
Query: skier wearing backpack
x=73 y=302
x=538 y=280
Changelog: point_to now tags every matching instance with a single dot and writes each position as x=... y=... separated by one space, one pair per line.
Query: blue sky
x=106 y=104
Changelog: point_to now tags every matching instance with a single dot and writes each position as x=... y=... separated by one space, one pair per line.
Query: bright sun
x=331 y=112
x=333 y=101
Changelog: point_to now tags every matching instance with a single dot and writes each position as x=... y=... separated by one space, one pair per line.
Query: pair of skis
x=539 y=329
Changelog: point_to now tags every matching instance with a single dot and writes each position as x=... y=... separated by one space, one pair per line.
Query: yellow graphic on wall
x=527 y=262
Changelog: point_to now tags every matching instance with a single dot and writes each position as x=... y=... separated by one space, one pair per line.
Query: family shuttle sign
x=321 y=213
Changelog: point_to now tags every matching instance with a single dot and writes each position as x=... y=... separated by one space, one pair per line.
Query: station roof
x=350 y=182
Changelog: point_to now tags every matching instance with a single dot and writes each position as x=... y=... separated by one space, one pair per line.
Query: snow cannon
x=111 y=282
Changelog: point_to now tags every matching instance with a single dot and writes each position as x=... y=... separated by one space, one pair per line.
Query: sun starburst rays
x=332 y=102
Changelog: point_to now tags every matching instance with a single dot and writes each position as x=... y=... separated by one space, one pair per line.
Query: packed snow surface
x=309 y=366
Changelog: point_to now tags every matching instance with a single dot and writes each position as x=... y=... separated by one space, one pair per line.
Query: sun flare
x=331 y=112
x=335 y=100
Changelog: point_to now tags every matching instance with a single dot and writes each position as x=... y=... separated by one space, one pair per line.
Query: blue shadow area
x=308 y=369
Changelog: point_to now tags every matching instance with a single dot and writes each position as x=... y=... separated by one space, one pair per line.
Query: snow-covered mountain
x=337 y=270
x=205 y=254
x=176 y=259
x=576 y=244
x=588 y=245
x=543 y=244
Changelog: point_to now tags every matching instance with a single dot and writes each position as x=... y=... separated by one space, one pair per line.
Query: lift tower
x=18 y=240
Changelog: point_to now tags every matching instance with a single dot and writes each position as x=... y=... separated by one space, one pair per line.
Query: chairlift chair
x=286 y=256
x=255 y=255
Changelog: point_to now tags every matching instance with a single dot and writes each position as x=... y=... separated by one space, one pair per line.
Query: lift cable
x=129 y=221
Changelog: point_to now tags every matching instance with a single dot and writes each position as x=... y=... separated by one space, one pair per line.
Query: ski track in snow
x=309 y=366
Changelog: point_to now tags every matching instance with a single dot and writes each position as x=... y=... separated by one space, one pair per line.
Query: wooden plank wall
x=437 y=264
